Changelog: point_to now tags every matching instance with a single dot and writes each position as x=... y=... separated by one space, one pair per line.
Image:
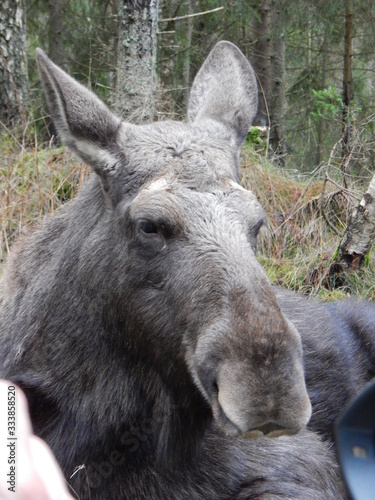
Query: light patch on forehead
x=250 y=194
x=161 y=183
x=255 y=209
x=235 y=185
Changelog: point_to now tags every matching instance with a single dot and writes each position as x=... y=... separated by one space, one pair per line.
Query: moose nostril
x=226 y=425
x=269 y=429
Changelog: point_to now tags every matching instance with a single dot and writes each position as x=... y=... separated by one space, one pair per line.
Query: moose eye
x=150 y=238
x=147 y=227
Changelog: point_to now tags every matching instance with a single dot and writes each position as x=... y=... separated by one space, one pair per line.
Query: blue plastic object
x=355 y=440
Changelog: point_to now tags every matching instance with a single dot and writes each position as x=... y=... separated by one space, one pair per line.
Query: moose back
x=145 y=334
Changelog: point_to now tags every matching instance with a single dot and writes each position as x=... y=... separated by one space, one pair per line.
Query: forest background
x=310 y=160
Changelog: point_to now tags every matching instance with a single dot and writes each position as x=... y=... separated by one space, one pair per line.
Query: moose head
x=164 y=253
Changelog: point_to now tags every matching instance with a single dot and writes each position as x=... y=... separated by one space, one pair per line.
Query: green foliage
x=327 y=103
x=313 y=33
x=368 y=258
x=336 y=254
x=255 y=140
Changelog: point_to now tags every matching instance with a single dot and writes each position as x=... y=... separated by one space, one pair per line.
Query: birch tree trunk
x=360 y=232
x=13 y=69
x=136 y=80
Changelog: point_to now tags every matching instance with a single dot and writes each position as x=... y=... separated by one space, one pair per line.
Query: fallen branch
x=352 y=194
x=322 y=194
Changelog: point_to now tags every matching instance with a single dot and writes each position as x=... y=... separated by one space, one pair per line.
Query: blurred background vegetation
x=310 y=159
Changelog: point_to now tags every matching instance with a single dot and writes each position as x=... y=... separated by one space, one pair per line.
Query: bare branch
x=179 y=18
x=322 y=194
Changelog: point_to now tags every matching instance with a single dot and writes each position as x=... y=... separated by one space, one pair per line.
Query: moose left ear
x=82 y=120
x=225 y=90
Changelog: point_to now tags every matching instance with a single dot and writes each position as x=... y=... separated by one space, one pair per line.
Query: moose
x=157 y=359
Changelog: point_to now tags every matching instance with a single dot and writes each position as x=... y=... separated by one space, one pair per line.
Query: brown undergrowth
x=298 y=247
x=34 y=181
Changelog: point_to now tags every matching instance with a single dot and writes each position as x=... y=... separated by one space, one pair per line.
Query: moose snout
x=247 y=407
x=255 y=388
x=249 y=366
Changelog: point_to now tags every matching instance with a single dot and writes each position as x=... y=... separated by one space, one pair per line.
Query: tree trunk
x=136 y=80
x=262 y=59
x=320 y=139
x=189 y=34
x=360 y=232
x=277 y=104
x=56 y=10
x=13 y=68
x=347 y=89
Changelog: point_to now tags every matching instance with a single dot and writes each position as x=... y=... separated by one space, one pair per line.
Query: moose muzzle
x=250 y=368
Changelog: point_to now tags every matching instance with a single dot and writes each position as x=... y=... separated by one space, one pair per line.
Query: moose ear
x=82 y=120
x=225 y=90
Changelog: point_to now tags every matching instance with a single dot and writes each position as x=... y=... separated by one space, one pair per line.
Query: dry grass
x=298 y=246
x=34 y=181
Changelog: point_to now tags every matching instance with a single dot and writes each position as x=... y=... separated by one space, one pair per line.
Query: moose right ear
x=225 y=90
x=82 y=120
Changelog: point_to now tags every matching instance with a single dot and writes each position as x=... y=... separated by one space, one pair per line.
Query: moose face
x=181 y=234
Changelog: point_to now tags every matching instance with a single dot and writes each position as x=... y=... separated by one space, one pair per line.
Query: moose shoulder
x=145 y=334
